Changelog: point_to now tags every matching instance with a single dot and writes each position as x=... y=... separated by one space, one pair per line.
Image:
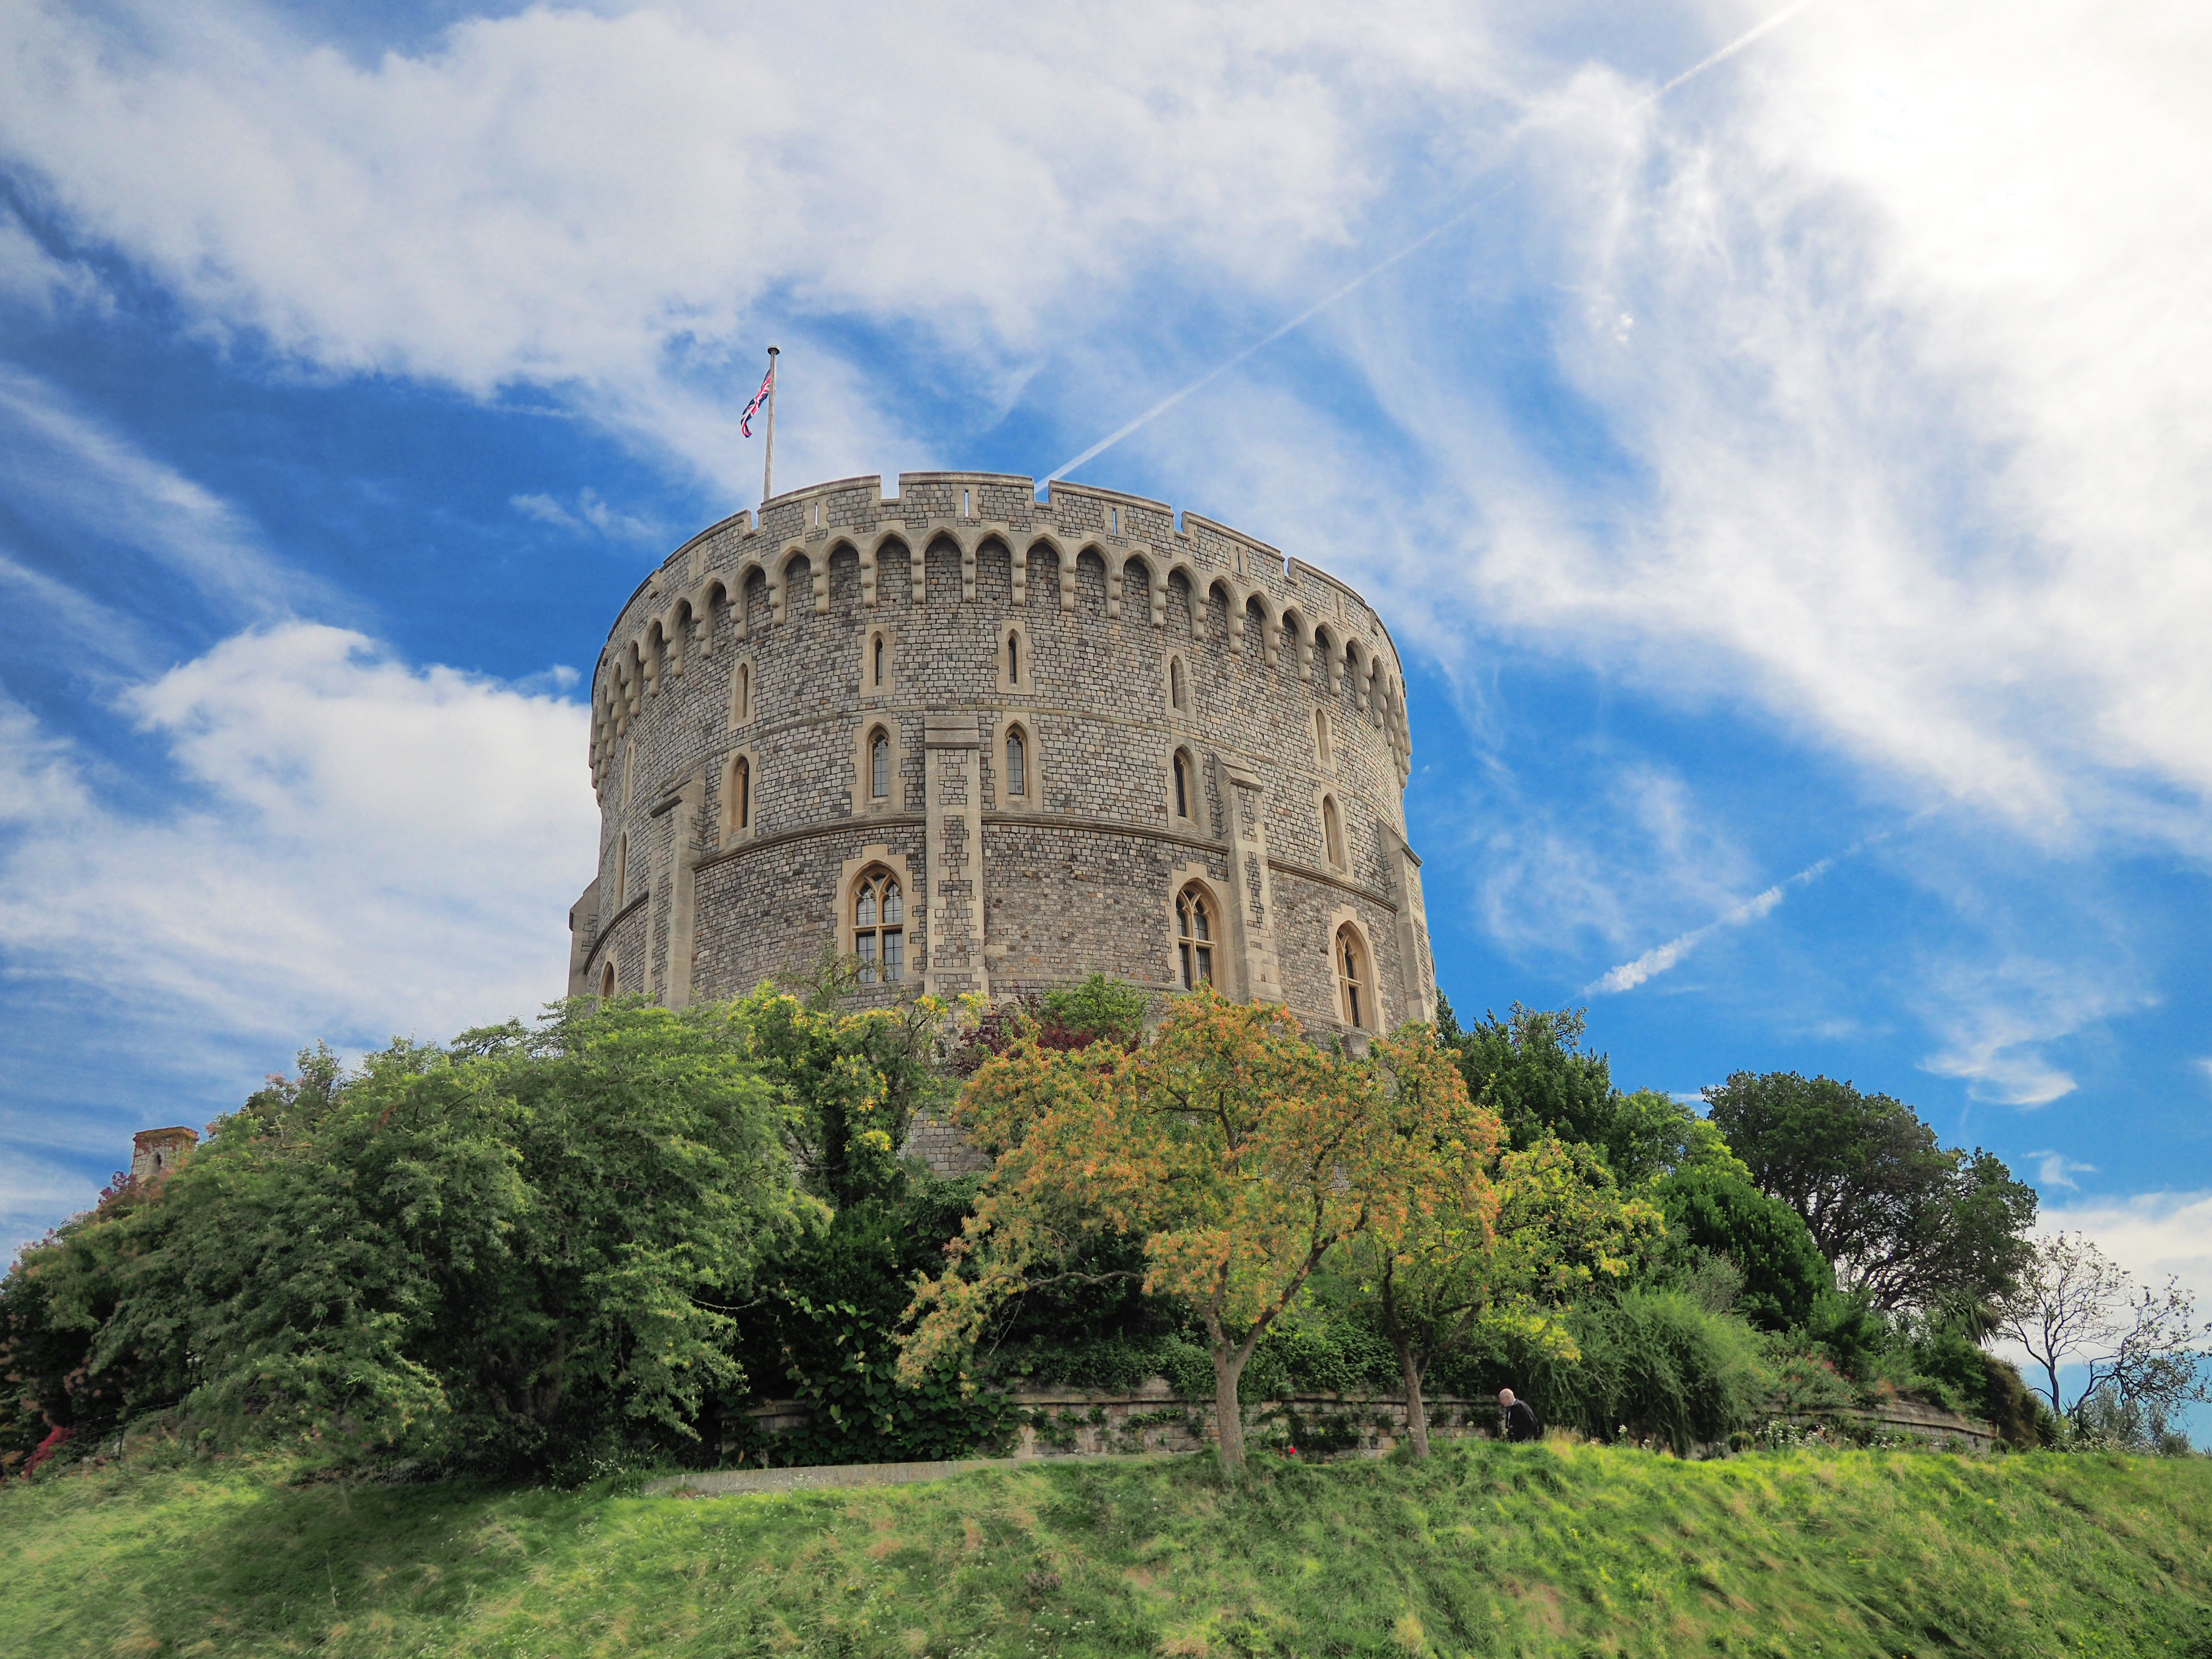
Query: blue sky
x=1792 y=494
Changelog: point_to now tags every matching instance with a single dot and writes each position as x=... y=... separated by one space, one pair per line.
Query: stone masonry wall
x=757 y=643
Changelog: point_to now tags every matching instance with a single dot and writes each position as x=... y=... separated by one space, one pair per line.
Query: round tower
x=980 y=742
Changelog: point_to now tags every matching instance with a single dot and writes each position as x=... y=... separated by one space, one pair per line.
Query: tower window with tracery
x=1194 y=937
x=1018 y=763
x=878 y=928
x=879 y=765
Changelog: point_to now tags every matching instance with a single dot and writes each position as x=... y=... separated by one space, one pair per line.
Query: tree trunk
x=1228 y=1415
x=1417 y=1410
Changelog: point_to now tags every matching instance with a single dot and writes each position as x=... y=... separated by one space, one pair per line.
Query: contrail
x=1267 y=340
x=1660 y=958
x=1723 y=54
x=1404 y=253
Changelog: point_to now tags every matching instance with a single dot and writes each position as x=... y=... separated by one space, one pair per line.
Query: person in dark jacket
x=1521 y=1422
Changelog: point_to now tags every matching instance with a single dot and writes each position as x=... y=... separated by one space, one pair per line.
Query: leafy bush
x=1654 y=1363
x=523 y=1242
x=1711 y=1208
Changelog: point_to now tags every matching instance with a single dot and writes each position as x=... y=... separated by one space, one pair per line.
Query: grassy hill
x=1568 y=1550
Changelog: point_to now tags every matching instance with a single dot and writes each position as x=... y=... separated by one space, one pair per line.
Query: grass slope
x=1569 y=1550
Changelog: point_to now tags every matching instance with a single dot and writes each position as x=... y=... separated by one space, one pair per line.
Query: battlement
x=978 y=505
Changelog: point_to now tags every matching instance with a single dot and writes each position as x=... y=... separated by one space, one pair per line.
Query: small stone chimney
x=156 y=1152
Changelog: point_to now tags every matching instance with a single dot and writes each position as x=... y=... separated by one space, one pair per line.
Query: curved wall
x=734 y=708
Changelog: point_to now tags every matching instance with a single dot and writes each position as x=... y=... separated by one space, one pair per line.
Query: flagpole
x=768 y=463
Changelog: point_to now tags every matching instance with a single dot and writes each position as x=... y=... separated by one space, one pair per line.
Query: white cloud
x=590 y=513
x=35 y=1193
x=364 y=848
x=611 y=199
x=2152 y=1234
x=1912 y=383
x=2056 y=1169
x=1995 y=1021
x=32 y=276
x=62 y=464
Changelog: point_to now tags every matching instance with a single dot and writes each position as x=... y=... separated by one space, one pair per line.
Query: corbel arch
x=817 y=572
x=962 y=547
x=751 y=568
x=1024 y=551
x=993 y=542
x=710 y=602
x=883 y=549
x=1232 y=604
x=1183 y=587
x=1154 y=577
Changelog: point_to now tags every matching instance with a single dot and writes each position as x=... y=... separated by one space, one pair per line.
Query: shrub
x=1653 y=1362
x=1713 y=1209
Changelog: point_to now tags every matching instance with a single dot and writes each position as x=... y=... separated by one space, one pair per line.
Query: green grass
x=1568 y=1550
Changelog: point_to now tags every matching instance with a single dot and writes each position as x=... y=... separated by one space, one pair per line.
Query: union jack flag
x=746 y=420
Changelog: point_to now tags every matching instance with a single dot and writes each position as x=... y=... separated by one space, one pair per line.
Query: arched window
x=1355 y=989
x=1322 y=743
x=880 y=664
x=1014 y=657
x=622 y=871
x=1332 y=830
x=1194 y=936
x=879 y=765
x=878 y=927
x=607 y=982
x=741 y=795
x=1176 y=694
x=741 y=695
x=1182 y=784
x=1017 y=763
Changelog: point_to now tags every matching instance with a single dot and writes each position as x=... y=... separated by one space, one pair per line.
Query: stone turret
x=981 y=743
x=156 y=1154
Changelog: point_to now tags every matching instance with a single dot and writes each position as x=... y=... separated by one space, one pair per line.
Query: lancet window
x=879 y=927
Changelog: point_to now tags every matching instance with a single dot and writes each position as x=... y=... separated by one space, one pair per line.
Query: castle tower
x=156 y=1154
x=985 y=744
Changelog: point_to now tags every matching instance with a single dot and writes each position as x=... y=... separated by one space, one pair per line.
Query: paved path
x=720 y=1483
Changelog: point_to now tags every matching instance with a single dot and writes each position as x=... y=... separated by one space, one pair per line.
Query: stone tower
x=985 y=744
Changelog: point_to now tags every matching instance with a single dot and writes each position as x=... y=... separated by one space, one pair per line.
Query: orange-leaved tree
x=1240 y=1154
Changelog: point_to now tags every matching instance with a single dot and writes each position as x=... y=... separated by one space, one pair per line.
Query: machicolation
x=988 y=744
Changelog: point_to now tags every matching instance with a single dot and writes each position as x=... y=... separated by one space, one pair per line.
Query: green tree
x=1498 y=1255
x=1903 y=1221
x=1711 y=1207
x=1531 y=1068
x=855 y=1079
x=478 y=1251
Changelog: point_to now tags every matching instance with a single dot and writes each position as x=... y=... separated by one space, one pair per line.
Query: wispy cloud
x=2150 y=1234
x=73 y=471
x=2056 y=1169
x=590 y=513
x=1997 y=1021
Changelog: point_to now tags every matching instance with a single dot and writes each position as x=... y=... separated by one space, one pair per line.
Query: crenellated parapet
x=979 y=743
x=743 y=574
